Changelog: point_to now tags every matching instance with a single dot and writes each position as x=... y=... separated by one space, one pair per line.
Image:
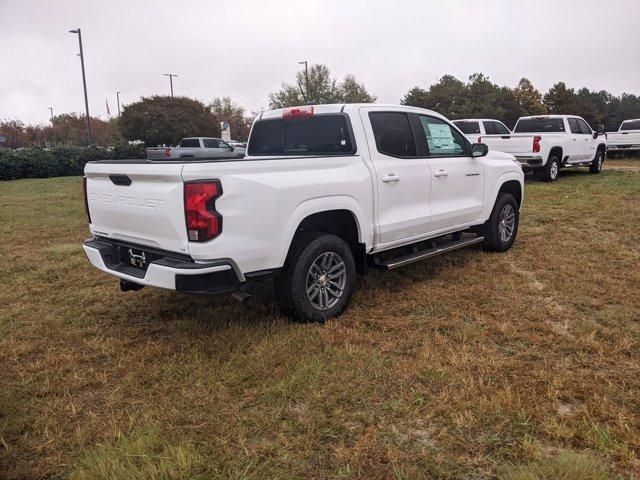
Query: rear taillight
x=167 y=152
x=203 y=222
x=479 y=139
x=86 y=199
x=536 y=143
x=606 y=136
x=297 y=112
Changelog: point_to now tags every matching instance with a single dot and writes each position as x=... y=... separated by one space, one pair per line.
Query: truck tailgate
x=513 y=144
x=141 y=203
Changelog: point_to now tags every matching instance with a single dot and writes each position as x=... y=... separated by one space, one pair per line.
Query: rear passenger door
x=402 y=180
x=457 y=188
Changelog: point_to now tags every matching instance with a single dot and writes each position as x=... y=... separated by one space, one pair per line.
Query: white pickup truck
x=324 y=192
x=545 y=144
x=626 y=139
x=476 y=128
x=196 y=147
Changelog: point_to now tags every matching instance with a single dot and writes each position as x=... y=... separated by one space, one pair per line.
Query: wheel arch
x=556 y=151
x=343 y=219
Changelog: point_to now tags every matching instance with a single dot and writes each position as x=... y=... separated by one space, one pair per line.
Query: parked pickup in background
x=325 y=191
x=545 y=144
x=475 y=128
x=196 y=147
x=626 y=139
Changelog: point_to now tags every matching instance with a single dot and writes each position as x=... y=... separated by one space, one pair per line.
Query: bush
x=59 y=161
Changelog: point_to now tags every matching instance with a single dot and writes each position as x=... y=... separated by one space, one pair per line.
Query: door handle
x=441 y=173
x=392 y=177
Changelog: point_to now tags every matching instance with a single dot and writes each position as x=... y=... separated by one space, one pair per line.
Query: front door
x=402 y=180
x=457 y=187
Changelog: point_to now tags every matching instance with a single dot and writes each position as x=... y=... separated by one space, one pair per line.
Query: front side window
x=468 y=128
x=630 y=125
x=442 y=139
x=539 y=125
x=313 y=135
x=393 y=134
x=573 y=125
x=211 y=143
x=584 y=126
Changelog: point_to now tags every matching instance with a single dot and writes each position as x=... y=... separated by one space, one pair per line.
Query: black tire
x=292 y=284
x=596 y=164
x=549 y=173
x=493 y=240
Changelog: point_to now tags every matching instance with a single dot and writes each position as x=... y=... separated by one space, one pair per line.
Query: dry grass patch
x=450 y=368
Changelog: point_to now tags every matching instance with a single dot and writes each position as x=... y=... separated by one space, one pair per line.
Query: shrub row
x=59 y=161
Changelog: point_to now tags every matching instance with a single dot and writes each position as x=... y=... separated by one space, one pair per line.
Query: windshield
x=539 y=125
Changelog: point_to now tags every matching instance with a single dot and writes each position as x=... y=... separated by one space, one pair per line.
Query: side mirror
x=479 y=150
x=600 y=129
x=231 y=149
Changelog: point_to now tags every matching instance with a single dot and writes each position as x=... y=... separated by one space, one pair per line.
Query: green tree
x=163 y=120
x=225 y=110
x=529 y=98
x=323 y=89
x=482 y=98
x=561 y=100
x=447 y=97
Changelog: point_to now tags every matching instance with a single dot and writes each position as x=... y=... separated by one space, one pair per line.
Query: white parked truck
x=325 y=191
x=476 y=128
x=626 y=139
x=544 y=144
x=196 y=147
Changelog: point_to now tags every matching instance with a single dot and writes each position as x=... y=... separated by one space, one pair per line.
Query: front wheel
x=318 y=278
x=502 y=227
x=596 y=165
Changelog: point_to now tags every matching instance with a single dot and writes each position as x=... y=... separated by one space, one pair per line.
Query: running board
x=429 y=252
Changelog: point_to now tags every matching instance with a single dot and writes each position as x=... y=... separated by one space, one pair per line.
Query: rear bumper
x=529 y=160
x=171 y=272
x=623 y=147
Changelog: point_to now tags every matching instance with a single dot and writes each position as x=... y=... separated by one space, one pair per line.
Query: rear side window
x=314 y=135
x=501 y=129
x=211 y=143
x=630 y=125
x=539 y=125
x=393 y=134
x=190 y=143
x=468 y=128
x=490 y=128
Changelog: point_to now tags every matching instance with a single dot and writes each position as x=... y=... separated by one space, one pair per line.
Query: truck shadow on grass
x=375 y=292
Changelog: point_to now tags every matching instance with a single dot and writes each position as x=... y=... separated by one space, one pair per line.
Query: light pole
x=171 y=75
x=118 y=100
x=53 y=127
x=84 y=83
x=306 y=80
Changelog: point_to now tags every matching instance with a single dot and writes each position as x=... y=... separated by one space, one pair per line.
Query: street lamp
x=118 y=99
x=306 y=80
x=84 y=82
x=53 y=127
x=171 y=75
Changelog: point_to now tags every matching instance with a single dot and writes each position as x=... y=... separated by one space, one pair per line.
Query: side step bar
x=392 y=263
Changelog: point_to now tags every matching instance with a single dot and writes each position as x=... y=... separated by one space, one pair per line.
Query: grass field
x=523 y=365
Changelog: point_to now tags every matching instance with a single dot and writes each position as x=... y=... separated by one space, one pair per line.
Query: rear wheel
x=318 y=278
x=502 y=227
x=596 y=165
x=549 y=173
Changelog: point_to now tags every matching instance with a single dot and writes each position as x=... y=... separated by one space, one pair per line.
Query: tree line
x=163 y=120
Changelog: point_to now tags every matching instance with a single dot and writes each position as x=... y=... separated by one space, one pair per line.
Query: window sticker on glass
x=440 y=138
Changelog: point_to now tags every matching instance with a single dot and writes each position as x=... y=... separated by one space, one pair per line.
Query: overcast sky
x=245 y=49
